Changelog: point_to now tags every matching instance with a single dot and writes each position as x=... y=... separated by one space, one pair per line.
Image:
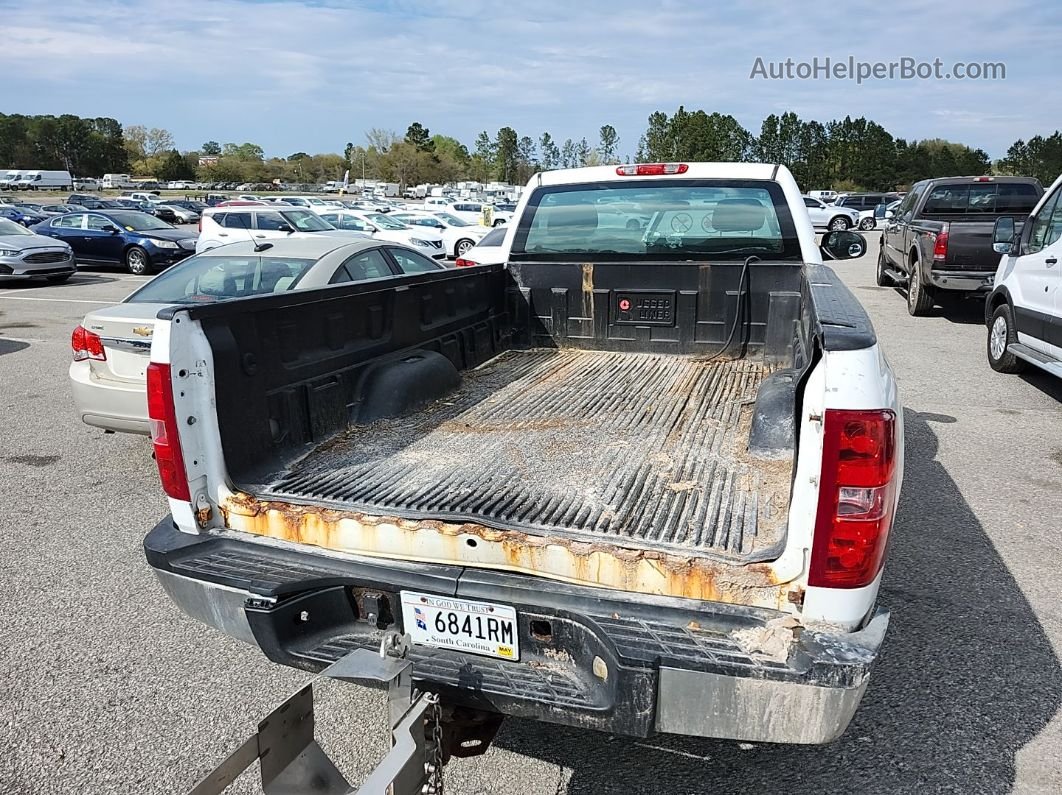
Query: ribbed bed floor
x=639 y=450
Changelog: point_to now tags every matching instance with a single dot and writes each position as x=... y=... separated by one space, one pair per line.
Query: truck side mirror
x=1003 y=237
x=843 y=245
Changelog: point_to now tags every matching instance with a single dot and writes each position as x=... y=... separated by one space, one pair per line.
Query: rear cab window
x=980 y=198
x=662 y=219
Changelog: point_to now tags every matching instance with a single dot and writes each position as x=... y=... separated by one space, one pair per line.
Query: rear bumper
x=963 y=281
x=611 y=661
x=108 y=404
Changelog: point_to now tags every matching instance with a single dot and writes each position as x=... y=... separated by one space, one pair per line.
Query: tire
x=633 y=223
x=919 y=297
x=1001 y=335
x=839 y=224
x=881 y=276
x=867 y=224
x=137 y=261
x=462 y=246
x=59 y=279
x=499 y=223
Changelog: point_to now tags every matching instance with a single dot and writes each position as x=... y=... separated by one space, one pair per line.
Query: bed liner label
x=643 y=307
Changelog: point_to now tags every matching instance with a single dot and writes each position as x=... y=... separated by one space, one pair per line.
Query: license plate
x=449 y=623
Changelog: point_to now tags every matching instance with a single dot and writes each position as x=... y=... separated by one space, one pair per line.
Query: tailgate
x=970 y=247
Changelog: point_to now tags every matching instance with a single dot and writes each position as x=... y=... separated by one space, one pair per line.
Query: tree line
x=71 y=143
x=842 y=154
x=847 y=154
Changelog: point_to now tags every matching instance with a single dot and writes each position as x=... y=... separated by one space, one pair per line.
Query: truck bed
x=643 y=450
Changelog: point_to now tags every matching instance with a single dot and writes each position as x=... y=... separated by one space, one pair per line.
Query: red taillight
x=461 y=262
x=163 y=415
x=940 y=247
x=857 y=494
x=983 y=179
x=651 y=169
x=87 y=345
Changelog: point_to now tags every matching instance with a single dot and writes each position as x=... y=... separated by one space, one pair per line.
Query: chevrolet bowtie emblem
x=142 y=331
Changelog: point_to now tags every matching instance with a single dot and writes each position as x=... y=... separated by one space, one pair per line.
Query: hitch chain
x=433 y=766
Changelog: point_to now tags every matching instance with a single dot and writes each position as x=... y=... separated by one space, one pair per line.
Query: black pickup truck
x=940 y=237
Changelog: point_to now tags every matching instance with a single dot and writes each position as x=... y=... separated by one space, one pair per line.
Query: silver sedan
x=25 y=253
x=112 y=346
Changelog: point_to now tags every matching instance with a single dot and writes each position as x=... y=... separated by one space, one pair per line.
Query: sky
x=292 y=75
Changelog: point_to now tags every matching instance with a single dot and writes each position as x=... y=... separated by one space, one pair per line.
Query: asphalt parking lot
x=106 y=687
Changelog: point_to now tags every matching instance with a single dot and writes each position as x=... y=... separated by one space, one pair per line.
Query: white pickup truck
x=639 y=479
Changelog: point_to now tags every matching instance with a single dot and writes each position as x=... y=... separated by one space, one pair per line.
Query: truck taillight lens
x=87 y=345
x=857 y=495
x=163 y=416
x=652 y=169
x=940 y=247
x=461 y=262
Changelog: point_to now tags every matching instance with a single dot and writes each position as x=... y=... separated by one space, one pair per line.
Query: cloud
x=313 y=75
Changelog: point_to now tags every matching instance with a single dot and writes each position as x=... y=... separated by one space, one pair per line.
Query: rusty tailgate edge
x=469 y=544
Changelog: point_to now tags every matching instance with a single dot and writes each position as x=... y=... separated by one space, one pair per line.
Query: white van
x=45 y=180
x=9 y=178
x=112 y=181
x=86 y=183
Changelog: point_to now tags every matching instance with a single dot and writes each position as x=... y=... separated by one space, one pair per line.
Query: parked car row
x=140 y=242
x=847 y=211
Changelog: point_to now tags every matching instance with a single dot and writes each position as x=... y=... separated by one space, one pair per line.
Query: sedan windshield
x=11 y=228
x=207 y=279
x=384 y=222
x=133 y=221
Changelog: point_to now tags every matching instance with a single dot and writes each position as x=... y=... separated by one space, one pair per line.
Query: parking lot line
x=55 y=300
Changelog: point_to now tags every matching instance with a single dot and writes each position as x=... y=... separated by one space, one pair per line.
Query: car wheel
x=463 y=246
x=839 y=224
x=919 y=298
x=137 y=261
x=881 y=275
x=866 y=224
x=58 y=278
x=499 y=222
x=1001 y=335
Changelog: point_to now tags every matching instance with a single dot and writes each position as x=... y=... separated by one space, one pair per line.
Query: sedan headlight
x=9 y=252
x=416 y=241
x=165 y=244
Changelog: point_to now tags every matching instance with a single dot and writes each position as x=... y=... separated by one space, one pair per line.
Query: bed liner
x=644 y=451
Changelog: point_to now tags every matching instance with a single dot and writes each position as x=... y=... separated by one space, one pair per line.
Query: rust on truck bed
x=639 y=452
x=600 y=564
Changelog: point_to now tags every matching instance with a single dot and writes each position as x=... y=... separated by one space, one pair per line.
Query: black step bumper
x=594 y=658
x=962 y=280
